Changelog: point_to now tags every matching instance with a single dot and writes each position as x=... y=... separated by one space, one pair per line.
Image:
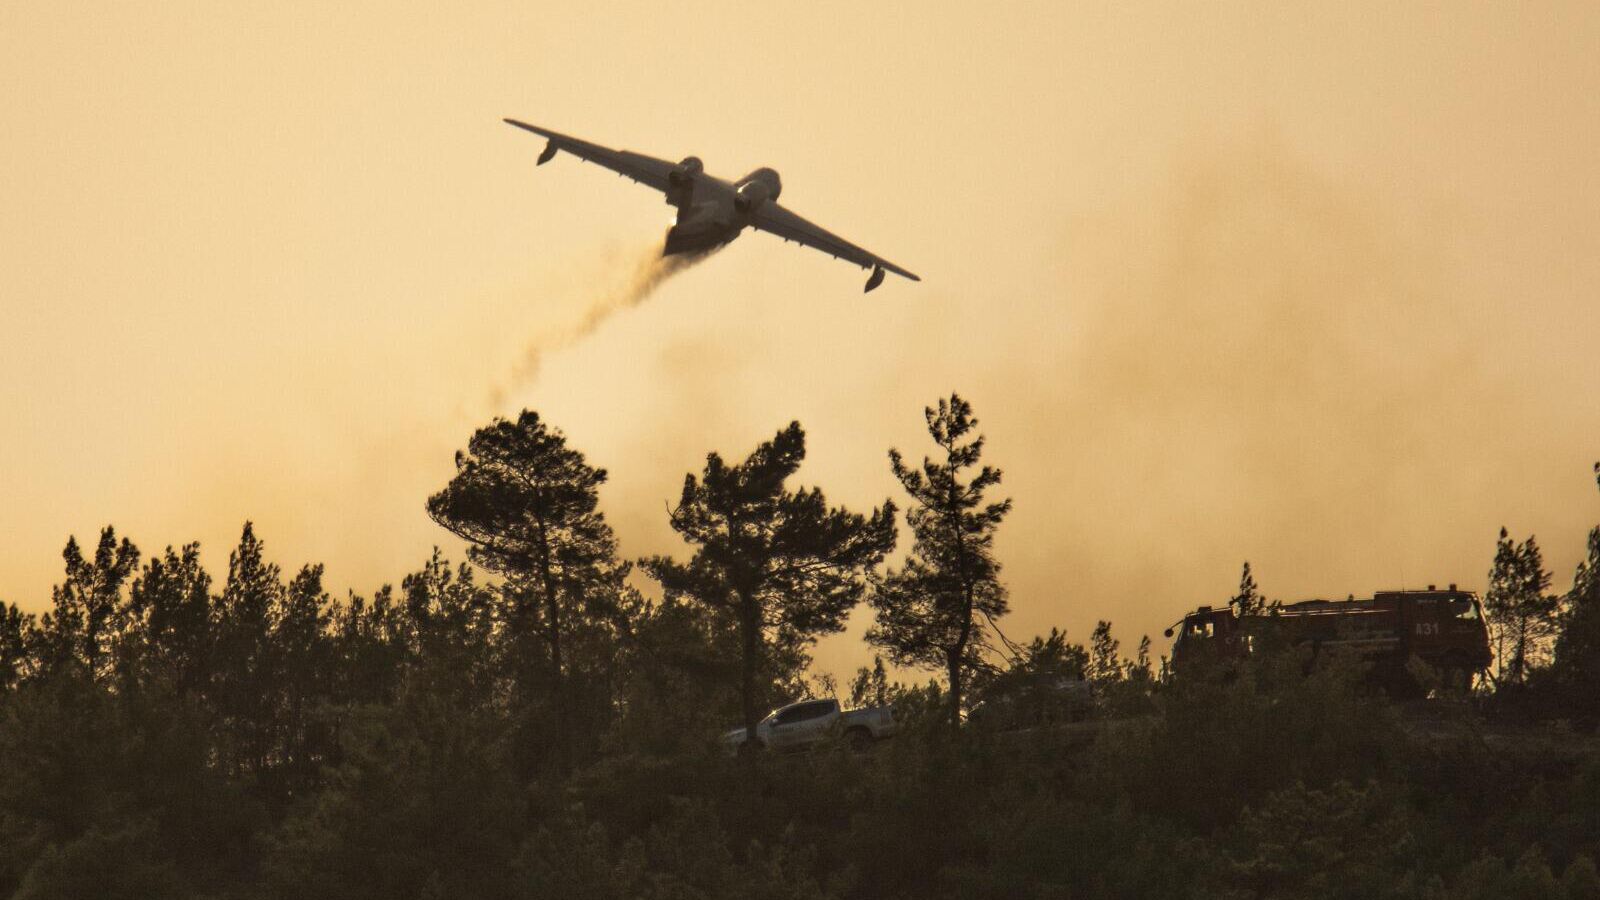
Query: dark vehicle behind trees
x=1443 y=629
x=1032 y=701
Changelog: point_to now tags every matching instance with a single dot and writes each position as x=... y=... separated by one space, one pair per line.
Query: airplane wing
x=646 y=170
x=773 y=218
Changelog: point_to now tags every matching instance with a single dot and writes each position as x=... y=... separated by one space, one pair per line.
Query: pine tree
x=1542 y=609
x=16 y=629
x=370 y=640
x=1522 y=614
x=1248 y=601
x=1105 y=658
x=89 y=612
x=870 y=687
x=1140 y=670
x=528 y=506
x=304 y=651
x=939 y=608
x=1053 y=656
x=451 y=623
x=1499 y=601
x=777 y=567
x=245 y=676
x=171 y=601
x=1045 y=681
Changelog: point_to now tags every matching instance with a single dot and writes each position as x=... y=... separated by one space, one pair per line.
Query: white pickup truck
x=809 y=722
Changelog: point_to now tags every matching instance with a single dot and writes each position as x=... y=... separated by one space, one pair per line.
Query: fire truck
x=1444 y=629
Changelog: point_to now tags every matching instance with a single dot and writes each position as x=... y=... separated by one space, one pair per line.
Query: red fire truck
x=1444 y=629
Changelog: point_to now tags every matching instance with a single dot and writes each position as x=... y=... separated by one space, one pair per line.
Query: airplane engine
x=685 y=171
x=751 y=195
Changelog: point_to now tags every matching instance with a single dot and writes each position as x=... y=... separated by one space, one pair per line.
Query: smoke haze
x=632 y=280
x=1312 y=287
x=1264 y=365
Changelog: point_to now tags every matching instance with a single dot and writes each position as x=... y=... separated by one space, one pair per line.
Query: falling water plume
x=647 y=272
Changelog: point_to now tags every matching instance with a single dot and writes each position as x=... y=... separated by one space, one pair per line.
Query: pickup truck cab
x=809 y=722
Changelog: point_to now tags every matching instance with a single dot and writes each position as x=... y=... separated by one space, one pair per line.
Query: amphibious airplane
x=712 y=212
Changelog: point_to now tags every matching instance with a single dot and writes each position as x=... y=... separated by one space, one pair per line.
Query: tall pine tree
x=89 y=613
x=779 y=567
x=245 y=671
x=528 y=506
x=1248 y=601
x=939 y=608
x=1519 y=610
x=1105 y=656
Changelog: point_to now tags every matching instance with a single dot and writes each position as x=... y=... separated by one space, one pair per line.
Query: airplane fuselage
x=713 y=211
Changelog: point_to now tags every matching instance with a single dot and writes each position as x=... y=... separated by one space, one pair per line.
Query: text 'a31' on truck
x=811 y=722
x=1390 y=632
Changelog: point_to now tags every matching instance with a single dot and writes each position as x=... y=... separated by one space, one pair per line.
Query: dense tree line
x=543 y=720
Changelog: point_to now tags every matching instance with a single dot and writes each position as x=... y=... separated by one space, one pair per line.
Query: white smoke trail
x=649 y=270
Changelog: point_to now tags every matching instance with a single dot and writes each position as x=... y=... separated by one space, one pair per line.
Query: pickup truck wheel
x=858 y=738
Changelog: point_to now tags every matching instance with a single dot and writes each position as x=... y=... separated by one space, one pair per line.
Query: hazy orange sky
x=1309 y=285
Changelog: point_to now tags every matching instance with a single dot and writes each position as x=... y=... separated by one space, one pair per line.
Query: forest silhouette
x=546 y=718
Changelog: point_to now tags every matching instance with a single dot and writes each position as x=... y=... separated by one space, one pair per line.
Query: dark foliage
x=165 y=735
